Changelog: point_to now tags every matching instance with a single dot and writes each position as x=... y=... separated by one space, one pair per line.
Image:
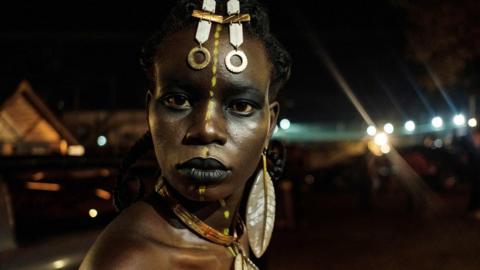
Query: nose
x=208 y=126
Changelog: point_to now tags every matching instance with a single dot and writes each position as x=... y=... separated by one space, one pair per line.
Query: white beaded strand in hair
x=201 y=36
x=236 y=39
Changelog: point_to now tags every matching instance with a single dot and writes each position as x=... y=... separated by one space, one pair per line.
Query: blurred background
x=379 y=120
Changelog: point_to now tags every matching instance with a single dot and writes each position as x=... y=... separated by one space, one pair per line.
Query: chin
x=214 y=192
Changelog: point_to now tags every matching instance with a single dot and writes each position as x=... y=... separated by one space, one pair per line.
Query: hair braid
x=277 y=155
x=121 y=200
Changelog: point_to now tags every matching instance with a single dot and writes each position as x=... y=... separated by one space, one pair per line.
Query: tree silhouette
x=444 y=36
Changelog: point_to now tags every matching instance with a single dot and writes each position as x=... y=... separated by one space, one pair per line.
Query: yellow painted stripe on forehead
x=211 y=105
x=216 y=42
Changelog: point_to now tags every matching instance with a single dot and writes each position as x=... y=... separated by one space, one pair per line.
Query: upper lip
x=202 y=164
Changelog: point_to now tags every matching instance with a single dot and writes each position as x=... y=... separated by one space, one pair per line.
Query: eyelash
x=252 y=109
x=169 y=102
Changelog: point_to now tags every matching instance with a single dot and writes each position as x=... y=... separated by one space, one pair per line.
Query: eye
x=242 y=107
x=177 y=102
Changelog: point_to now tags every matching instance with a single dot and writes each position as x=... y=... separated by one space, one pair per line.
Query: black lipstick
x=203 y=171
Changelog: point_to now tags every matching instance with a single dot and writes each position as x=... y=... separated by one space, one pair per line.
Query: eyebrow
x=183 y=84
x=242 y=90
x=230 y=90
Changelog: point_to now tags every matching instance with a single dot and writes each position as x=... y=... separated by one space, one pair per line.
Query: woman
x=215 y=71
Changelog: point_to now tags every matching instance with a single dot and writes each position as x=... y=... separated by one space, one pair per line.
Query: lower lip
x=204 y=177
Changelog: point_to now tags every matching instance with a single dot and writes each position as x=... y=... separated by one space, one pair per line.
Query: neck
x=220 y=215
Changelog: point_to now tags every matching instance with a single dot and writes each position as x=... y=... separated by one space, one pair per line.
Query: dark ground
x=334 y=234
x=338 y=236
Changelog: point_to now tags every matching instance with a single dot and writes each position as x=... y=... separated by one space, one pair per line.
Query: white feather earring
x=260 y=214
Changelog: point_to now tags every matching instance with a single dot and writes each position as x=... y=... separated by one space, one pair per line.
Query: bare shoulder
x=137 y=239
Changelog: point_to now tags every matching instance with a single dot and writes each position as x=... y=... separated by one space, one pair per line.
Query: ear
x=274 y=108
x=148 y=99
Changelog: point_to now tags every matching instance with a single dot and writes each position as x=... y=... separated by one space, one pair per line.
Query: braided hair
x=178 y=19
x=121 y=194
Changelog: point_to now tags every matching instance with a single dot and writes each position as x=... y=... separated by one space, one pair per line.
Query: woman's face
x=209 y=128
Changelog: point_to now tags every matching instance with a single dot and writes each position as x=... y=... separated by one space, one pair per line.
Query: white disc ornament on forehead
x=233 y=68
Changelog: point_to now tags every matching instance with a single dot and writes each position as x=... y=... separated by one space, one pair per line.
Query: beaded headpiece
x=234 y=20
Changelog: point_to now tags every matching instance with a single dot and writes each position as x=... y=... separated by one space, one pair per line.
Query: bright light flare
x=76 y=150
x=472 y=122
x=93 y=213
x=42 y=186
x=285 y=124
x=59 y=264
x=381 y=139
x=103 y=194
x=410 y=126
x=63 y=147
x=385 y=149
x=371 y=130
x=388 y=128
x=459 y=120
x=437 y=122
x=101 y=140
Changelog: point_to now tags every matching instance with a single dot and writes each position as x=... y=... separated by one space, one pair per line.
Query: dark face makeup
x=209 y=126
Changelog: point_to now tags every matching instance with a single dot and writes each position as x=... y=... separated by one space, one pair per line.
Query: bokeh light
x=371 y=130
x=385 y=148
x=472 y=122
x=437 y=122
x=101 y=140
x=459 y=120
x=388 y=128
x=381 y=139
x=410 y=126
x=92 y=213
x=285 y=124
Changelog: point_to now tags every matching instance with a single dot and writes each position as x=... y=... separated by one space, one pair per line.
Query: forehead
x=171 y=60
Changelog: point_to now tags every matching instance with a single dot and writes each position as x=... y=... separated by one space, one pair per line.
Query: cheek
x=251 y=130
x=249 y=135
x=166 y=132
x=249 y=138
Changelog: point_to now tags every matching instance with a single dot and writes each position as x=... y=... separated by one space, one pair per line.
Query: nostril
x=206 y=133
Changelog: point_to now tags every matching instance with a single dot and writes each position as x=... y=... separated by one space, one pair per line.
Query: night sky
x=84 y=55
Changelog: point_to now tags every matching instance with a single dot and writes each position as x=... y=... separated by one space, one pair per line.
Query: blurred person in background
x=474 y=162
